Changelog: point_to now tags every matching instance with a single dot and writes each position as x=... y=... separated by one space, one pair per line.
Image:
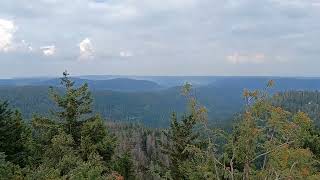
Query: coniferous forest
x=274 y=137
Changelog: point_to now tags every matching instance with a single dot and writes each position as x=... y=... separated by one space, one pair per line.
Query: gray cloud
x=183 y=37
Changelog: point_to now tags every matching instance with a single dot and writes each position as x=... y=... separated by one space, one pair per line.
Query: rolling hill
x=144 y=101
x=117 y=84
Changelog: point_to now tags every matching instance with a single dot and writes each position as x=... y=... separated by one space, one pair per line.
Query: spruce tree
x=15 y=136
x=181 y=136
x=74 y=107
x=124 y=166
x=74 y=142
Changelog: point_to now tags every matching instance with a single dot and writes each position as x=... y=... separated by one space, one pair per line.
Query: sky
x=159 y=37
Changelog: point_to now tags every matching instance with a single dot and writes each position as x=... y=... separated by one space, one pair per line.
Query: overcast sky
x=159 y=37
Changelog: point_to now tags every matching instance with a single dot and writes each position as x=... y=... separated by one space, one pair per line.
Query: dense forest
x=150 y=108
x=272 y=138
x=296 y=101
x=149 y=101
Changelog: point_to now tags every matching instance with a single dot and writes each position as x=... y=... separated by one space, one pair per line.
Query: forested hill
x=123 y=99
x=151 y=108
x=150 y=83
x=222 y=98
x=281 y=84
x=304 y=101
x=117 y=84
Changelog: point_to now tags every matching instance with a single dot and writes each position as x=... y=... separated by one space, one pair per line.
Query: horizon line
x=122 y=75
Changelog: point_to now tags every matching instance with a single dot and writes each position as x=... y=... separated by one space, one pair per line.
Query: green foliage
x=74 y=144
x=96 y=139
x=153 y=109
x=267 y=142
x=304 y=101
x=180 y=136
x=124 y=166
x=15 y=136
x=75 y=104
x=270 y=143
x=9 y=170
x=183 y=142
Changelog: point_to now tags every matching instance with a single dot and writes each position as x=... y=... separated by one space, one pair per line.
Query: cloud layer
x=160 y=37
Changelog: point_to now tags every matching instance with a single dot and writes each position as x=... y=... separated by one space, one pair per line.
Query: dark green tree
x=15 y=136
x=96 y=139
x=9 y=170
x=74 y=143
x=124 y=166
x=74 y=106
x=181 y=136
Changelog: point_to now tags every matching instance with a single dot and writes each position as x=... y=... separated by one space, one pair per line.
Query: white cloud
x=126 y=54
x=237 y=58
x=48 y=50
x=86 y=49
x=7 y=29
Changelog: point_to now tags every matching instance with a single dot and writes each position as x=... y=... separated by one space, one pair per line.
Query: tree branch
x=268 y=152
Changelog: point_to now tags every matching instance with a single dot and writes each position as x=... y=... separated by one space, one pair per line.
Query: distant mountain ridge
x=131 y=83
x=146 y=101
x=117 y=84
x=281 y=84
